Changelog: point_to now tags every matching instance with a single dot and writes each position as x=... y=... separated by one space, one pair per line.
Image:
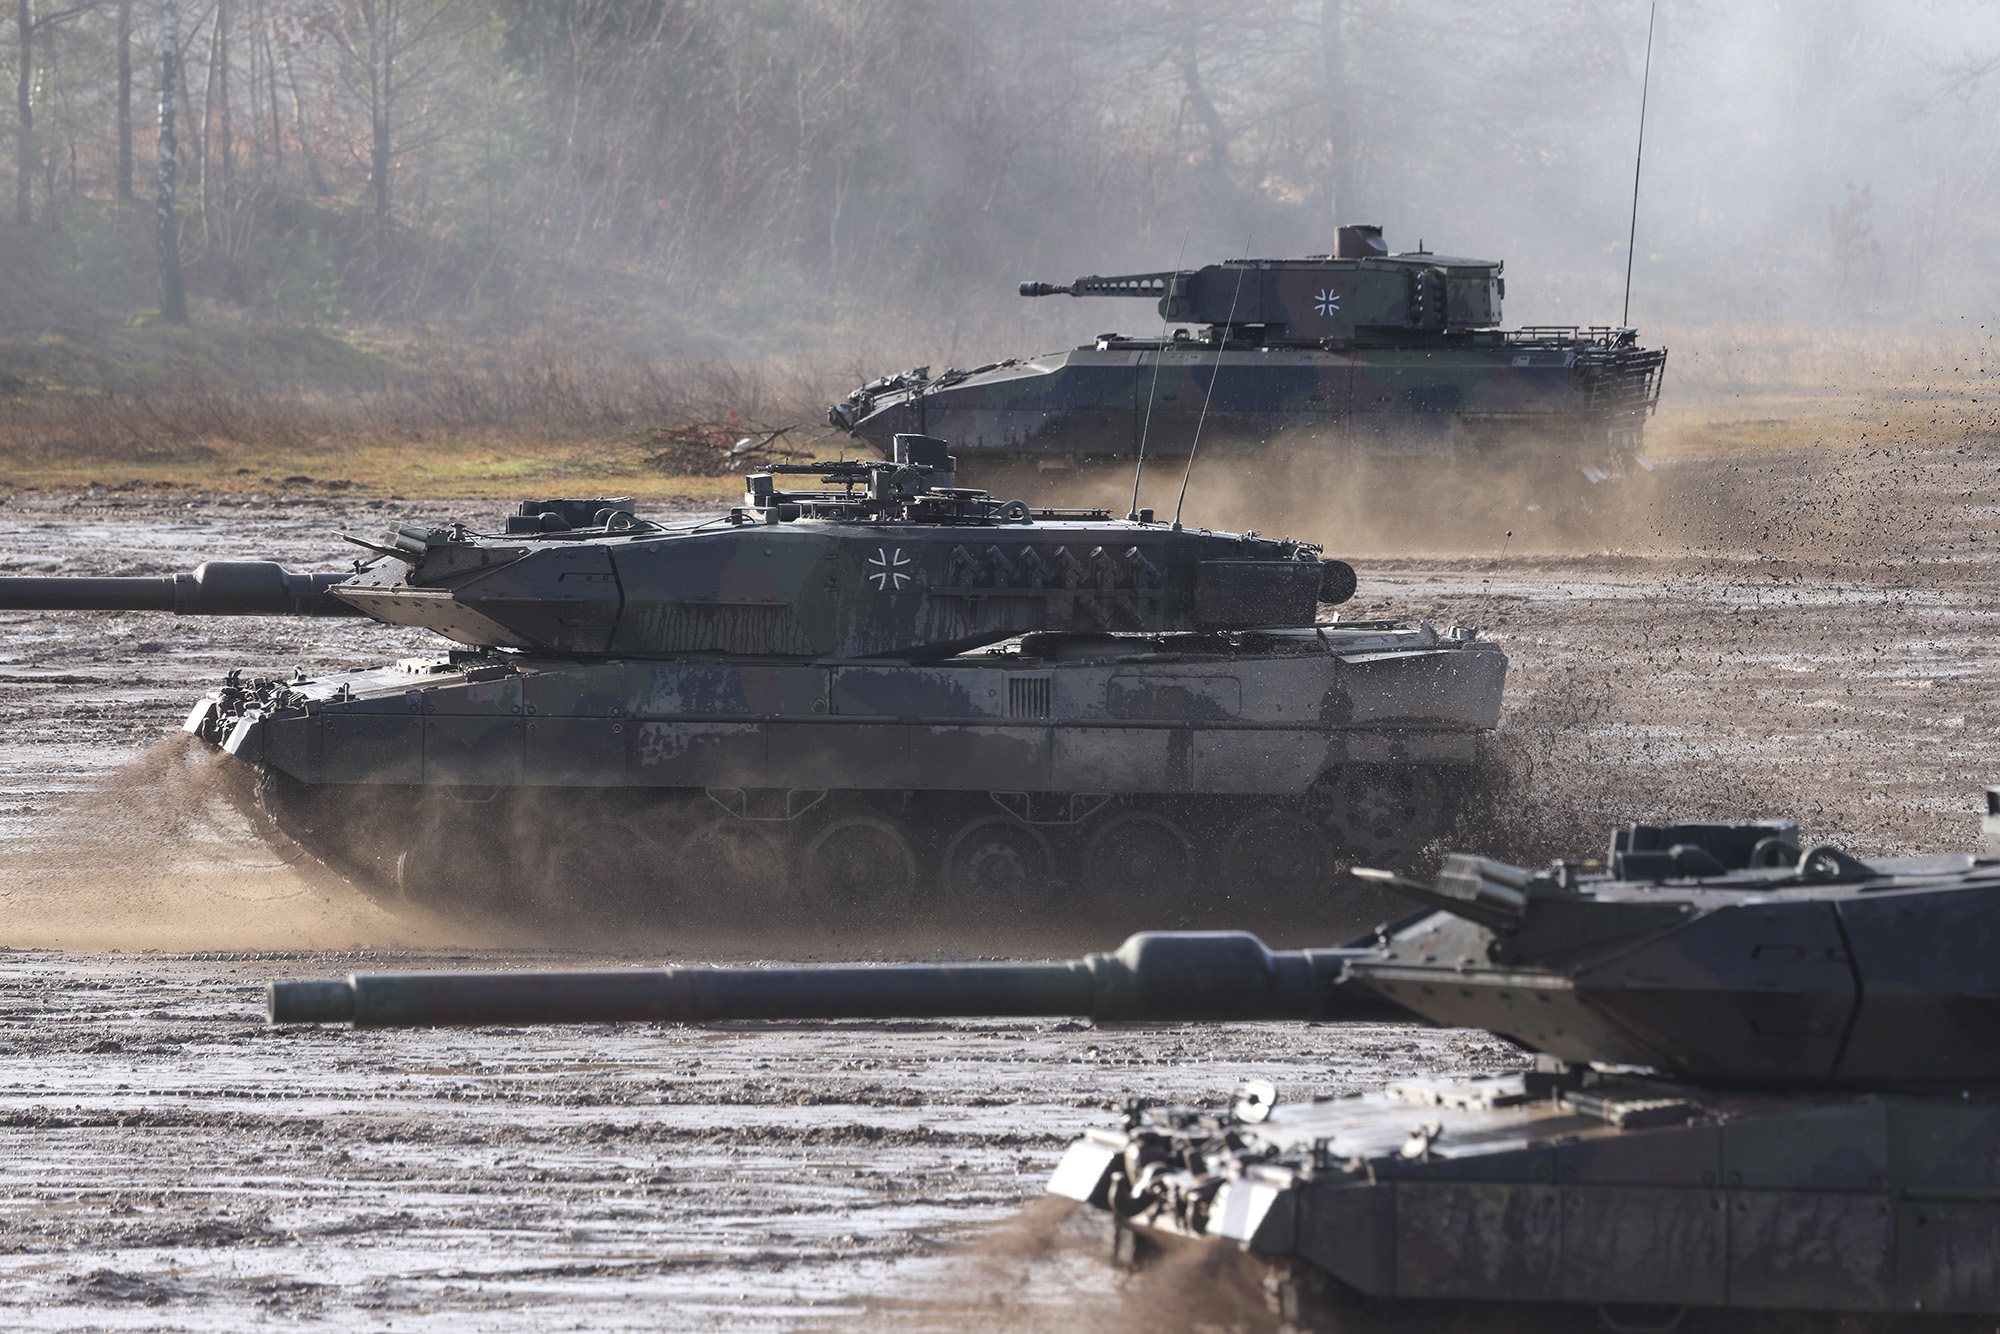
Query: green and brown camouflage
x=864 y=690
x=1763 y=1082
x=1358 y=351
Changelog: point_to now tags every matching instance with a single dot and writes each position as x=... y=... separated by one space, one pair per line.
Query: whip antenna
x=1154 y=392
x=1632 y=237
x=1213 y=375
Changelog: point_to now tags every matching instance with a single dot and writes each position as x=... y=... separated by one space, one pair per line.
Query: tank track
x=730 y=857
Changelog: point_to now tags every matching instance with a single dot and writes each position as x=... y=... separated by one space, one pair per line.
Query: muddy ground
x=1815 y=635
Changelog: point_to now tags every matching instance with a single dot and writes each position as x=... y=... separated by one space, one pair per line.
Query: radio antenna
x=1214 y=374
x=1154 y=393
x=1638 y=158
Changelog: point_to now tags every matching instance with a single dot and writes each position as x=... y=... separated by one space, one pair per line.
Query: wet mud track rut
x=167 y=1163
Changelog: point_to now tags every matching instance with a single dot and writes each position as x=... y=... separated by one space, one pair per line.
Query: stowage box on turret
x=1764 y=1091
x=1359 y=351
x=862 y=688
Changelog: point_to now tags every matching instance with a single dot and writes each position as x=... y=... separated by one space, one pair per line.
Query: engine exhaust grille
x=1027 y=697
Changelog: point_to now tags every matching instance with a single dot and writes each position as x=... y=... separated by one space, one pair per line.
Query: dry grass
x=542 y=414
x=1742 y=387
x=460 y=421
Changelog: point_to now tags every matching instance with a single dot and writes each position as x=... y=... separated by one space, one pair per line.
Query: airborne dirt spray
x=160 y=854
x=1045 y=1271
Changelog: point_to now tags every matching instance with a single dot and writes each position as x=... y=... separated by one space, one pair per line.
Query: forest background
x=450 y=245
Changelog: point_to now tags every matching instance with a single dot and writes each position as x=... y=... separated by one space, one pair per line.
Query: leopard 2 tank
x=864 y=693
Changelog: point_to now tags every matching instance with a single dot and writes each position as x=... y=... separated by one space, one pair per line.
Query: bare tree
x=24 y=117
x=389 y=49
x=265 y=41
x=166 y=234
x=315 y=176
x=125 y=101
x=28 y=26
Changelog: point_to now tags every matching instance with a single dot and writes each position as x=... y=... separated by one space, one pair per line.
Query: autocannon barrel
x=215 y=588
x=1125 y=284
x=1163 y=977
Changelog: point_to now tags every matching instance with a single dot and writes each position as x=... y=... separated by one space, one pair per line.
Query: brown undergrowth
x=462 y=420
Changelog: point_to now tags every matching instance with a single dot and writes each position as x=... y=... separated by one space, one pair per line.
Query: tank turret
x=1759 y=1088
x=877 y=559
x=865 y=689
x=1359 y=292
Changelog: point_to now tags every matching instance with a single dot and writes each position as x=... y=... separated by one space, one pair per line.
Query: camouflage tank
x=1359 y=350
x=1760 y=1088
x=863 y=691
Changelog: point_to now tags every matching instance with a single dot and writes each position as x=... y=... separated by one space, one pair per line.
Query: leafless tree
x=391 y=50
x=166 y=233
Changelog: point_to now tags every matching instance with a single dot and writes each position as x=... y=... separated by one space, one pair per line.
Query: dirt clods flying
x=159 y=854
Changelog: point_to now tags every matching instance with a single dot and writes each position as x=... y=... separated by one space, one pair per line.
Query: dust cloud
x=162 y=855
x=1507 y=503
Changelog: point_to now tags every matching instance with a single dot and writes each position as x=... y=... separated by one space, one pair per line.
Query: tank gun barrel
x=214 y=588
x=1151 y=285
x=1167 y=977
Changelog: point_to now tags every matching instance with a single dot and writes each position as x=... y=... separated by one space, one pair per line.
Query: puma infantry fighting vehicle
x=1760 y=1088
x=1358 y=351
x=863 y=690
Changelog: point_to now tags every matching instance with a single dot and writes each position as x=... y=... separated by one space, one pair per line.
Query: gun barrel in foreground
x=1156 y=976
x=214 y=588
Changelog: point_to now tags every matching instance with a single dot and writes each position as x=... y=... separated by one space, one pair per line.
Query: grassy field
x=1735 y=388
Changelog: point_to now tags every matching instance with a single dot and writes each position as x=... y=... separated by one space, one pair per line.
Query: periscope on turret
x=1758 y=1082
x=1358 y=351
x=865 y=693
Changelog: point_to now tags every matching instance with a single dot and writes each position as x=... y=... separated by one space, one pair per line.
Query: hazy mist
x=830 y=175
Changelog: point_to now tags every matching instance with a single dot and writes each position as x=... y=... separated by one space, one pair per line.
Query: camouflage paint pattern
x=1579 y=390
x=885 y=671
x=842 y=587
x=1633 y=1192
x=1764 y=1081
x=1388 y=354
x=1272 y=720
x=1767 y=1081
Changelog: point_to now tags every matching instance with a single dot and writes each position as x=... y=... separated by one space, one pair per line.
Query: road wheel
x=730 y=867
x=587 y=873
x=1275 y=855
x=860 y=868
x=1139 y=863
x=1386 y=811
x=997 y=866
x=427 y=874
